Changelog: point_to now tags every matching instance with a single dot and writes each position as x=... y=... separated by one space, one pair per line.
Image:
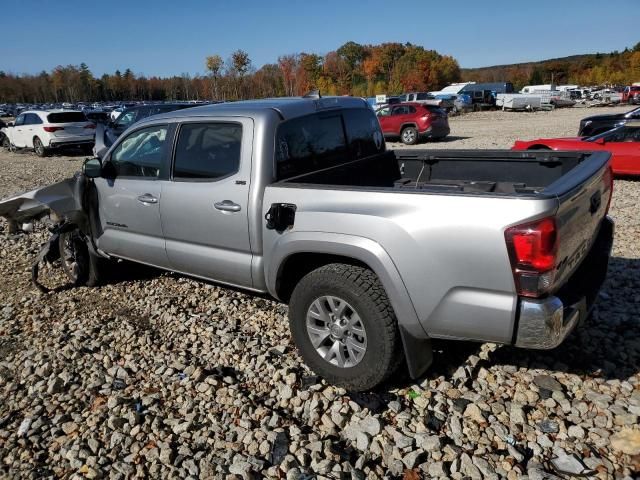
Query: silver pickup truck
x=375 y=251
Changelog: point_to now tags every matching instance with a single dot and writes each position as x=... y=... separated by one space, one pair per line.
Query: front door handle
x=147 y=198
x=227 y=206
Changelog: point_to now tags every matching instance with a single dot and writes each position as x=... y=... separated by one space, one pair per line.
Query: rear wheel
x=409 y=135
x=38 y=147
x=78 y=263
x=344 y=327
x=6 y=143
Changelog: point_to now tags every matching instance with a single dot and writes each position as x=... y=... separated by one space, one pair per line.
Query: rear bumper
x=435 y=132
x=71 y=142
x=545 y=323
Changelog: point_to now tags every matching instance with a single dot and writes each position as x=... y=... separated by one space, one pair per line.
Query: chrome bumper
x=544 y=324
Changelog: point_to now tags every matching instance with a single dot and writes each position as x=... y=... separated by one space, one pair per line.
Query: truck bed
x=480 y=172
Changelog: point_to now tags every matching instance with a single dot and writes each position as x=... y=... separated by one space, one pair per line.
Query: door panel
x=625 y=156
x=129 y=203
x=18 y=132
x=205 y=220
x=131 y=228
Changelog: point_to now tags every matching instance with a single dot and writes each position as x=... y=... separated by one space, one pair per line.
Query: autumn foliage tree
x=351 y=69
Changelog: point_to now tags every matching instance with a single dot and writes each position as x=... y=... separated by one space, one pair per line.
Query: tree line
x=352 y=69
x=615 y=68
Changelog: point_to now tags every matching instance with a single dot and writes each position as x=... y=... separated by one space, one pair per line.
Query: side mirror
x=600 y=141
x=10 y=124
x=92 y=168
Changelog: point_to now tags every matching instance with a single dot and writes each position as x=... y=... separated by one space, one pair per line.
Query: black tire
x=362 y=290
x=38 y=147
x=409 y=135
x=6 y=144
x=81 y=266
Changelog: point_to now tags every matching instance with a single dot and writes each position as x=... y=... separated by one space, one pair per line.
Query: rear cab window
x=326 y=139
x=66 y=117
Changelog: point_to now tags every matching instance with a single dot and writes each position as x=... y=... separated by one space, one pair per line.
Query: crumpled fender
x=62 y=199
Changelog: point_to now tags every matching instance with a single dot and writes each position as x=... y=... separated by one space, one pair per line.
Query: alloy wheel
x=336 y=331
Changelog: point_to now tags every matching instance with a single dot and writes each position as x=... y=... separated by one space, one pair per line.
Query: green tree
x=214 y=65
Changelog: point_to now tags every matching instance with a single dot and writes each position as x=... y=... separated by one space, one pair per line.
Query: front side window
x=32 y=119
x=19 y=120
x=141 y=153
x=207 y=151
x=384 y=112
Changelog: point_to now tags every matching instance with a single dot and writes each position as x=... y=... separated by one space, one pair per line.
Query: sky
x=169 y=37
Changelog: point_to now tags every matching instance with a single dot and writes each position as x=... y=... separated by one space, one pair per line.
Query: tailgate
x=581 y=211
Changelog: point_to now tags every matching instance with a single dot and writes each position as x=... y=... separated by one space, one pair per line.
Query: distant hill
x=618 y=68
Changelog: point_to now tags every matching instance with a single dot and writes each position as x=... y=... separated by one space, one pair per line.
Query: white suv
x=46 y=130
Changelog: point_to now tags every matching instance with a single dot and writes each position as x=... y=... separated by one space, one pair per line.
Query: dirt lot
x=156 y=375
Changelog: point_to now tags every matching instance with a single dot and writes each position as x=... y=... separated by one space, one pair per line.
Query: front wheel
x=79 y=264
x=409 y=135
x=38 y=147
x=6 y=143
x=344 y=326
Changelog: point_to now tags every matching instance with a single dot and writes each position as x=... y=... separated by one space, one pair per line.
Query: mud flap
x=418 y=353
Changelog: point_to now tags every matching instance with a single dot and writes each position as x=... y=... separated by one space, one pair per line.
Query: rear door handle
x=147 y=198
x=227 y=206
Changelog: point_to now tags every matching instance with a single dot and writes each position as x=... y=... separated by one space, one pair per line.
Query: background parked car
x=413 y=121
x=47 y=130
x=623 y=142
x=631 y=94
x=601 y=123
x=131 y=115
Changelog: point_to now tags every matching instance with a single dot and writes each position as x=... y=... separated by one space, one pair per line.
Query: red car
x=412 y=121
x=631 y=94
x=623 y=142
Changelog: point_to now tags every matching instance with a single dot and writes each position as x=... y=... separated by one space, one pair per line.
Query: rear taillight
x=533 y=248
x=608 y=179
x=52 y=129
x=89 y=125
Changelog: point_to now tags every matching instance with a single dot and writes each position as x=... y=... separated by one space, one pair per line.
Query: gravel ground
x=156 y=375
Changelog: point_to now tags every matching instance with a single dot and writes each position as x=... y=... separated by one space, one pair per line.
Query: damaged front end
x=66 y=204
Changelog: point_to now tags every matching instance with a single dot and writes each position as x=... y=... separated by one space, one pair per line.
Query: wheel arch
x=303 y=252
x=539 y=146
x=408 y=124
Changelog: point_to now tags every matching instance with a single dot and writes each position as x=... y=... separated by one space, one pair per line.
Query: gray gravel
x=156 y=375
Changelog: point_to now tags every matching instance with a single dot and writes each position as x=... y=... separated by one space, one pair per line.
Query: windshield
x=605 y=135
x=126 y=118
x=635 y=113
x=620 y=134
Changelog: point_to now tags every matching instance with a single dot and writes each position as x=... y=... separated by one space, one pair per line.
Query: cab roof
x=286 y=107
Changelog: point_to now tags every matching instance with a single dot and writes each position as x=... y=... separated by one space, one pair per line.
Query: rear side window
x=310 y=143
x=363 y=132
x=207 y=151
x=66 y=117
x=32 y=119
